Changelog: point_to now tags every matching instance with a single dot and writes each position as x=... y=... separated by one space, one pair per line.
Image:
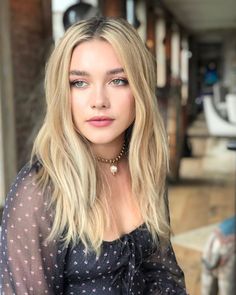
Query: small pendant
x=113 y=169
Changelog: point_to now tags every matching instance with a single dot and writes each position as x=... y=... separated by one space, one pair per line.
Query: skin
x=99 y=87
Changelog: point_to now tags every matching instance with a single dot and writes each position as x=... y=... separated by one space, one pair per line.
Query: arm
x=27 y=263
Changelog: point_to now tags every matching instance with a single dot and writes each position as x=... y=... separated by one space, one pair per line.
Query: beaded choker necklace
x=113 y=162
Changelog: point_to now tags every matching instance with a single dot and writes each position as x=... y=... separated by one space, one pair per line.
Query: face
x=102 y=102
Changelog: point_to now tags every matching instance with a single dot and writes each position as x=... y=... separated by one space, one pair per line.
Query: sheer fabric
x=29 y=265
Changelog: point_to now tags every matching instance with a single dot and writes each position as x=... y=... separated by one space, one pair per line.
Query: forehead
x=94 y=53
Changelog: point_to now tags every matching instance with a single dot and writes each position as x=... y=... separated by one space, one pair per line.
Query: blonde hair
x=67 y=161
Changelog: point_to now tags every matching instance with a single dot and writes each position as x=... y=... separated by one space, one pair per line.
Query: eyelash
x=123 y=82
x=75 y=82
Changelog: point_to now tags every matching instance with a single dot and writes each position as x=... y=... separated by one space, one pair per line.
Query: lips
x=100 y=121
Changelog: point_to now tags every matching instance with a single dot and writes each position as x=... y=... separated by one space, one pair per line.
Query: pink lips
x=100 y=121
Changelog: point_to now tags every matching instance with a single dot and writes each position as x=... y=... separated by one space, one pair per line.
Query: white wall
x=58 y=8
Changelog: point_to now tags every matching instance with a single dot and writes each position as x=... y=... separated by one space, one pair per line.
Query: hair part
x=68 y=163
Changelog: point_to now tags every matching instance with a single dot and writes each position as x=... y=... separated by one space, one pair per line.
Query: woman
x=88 y=214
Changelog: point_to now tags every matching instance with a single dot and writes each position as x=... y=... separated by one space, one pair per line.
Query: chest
x=123 y=213
x=117 y=257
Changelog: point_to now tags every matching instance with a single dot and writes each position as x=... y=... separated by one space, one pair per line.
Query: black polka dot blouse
x=130 y=265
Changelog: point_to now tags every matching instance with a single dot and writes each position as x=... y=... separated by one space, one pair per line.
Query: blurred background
x=194 y=43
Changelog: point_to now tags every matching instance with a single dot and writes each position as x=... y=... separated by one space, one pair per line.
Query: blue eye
x=78 y=84
x=119 y=82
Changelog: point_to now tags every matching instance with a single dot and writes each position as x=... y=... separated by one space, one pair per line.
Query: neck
x=108 y=150
x=114 y=161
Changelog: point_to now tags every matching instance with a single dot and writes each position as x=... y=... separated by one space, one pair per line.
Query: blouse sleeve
x=163 y=272
x=27 y=262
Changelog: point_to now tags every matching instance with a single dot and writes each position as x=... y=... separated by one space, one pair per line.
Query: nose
x=99 y=98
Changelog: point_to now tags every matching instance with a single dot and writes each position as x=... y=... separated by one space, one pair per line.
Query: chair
x=231 y=107
x=219 y=98
x=217 y=125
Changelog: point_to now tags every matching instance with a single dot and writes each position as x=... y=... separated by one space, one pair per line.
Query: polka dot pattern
x=28 y=265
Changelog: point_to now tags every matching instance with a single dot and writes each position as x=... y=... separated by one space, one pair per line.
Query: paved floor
x=204 y=196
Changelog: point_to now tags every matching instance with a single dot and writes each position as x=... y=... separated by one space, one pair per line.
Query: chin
x=103 y=140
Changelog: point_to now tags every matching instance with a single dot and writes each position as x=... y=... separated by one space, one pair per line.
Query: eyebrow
x=84 y=73
x=115 y=71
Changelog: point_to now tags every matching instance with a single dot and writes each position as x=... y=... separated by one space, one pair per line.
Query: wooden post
x=7 y=124
x=168 y=52
x=141 y=11
x=151 y=20
x=174 y=114
x=113 y=8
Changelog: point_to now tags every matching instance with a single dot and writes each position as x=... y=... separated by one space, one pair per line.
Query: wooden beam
x=113 y=8
x=151 y=19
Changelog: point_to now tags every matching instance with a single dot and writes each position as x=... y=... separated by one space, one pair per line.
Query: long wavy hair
x=68 y=164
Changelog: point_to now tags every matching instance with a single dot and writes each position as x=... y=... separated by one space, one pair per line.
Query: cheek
x=74 y=108
x=77 y=105
x=76 y=111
